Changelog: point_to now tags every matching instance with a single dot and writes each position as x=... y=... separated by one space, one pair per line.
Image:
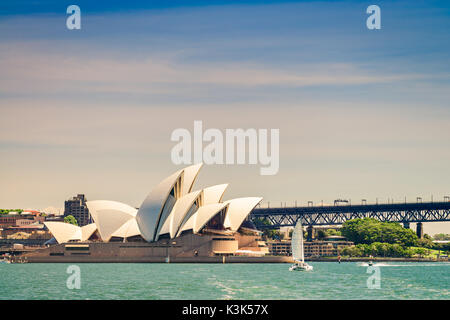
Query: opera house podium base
x=190 y=248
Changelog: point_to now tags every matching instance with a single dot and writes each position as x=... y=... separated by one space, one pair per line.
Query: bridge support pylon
x=310 y=236
x=419 y=230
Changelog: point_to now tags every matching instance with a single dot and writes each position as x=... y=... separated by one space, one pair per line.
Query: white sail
x=297 y=243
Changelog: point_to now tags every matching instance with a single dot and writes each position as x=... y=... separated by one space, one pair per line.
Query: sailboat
x=297 y=250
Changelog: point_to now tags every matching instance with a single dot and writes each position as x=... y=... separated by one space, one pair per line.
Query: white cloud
x=29 y=70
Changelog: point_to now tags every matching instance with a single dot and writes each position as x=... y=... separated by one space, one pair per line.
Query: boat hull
x=296 y=267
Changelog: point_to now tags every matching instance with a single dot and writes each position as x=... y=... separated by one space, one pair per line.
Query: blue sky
x=362 y=113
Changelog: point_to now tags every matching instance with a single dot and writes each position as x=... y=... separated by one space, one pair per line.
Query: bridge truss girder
x=282 y=217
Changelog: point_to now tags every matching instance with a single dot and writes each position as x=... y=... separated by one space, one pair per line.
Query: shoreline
x=374 y=259
x=219 y=260
x=118 y=252
x=213 y=259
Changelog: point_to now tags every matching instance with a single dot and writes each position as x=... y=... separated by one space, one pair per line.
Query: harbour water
x=329 y=280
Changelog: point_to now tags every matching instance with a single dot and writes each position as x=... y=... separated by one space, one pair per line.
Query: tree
x=353 y=251
x=420 y=251
x=441 y=237
x=71 y=219
x=350 y=230
x=396 y=250
x=269 y=233
x=6 y=211
x=378 y=249
x=382 y=249
x=333 y=232
x=425 y=243
x=369 y=230
x=321 y=234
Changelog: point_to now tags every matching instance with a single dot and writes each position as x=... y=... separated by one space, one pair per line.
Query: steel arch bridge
x=338 y=214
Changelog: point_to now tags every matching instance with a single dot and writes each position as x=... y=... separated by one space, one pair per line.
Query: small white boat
x=299 y=266
x=297 y=250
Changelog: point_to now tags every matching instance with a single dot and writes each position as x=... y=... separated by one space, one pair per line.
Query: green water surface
x=329 y=280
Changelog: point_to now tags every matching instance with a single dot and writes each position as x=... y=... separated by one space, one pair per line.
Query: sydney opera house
x=174 y=223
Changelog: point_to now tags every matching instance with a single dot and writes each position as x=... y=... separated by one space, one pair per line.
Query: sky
x=362 y=114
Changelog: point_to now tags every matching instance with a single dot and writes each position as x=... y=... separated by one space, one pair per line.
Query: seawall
x=89 y=259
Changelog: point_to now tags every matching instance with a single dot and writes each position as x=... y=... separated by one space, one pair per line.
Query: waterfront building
x=280 y=248
x=34 y=231
x=13 y=220
x=25 y=228
x=78 y=209
x=325 y=248
x=173 y=222
x=311 y=248
x=30 y=237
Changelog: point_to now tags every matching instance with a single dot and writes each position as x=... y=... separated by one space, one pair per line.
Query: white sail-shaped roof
x=179 y=212
x=110 y=216
x=189 y=176
x=151 y=209
x=87 y=231
x=201 y=217
x=214 y=194
x=129 y=229
x=63 y=232
x=238 y=210
x=170 y=208
x=77 y=235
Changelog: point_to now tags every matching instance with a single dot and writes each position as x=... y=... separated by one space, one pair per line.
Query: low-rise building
x=311 y=249
x=10 y=220
x=29 y=229
x=325 y=248
x=280 y=248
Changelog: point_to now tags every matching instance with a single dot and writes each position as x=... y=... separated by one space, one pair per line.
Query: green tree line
x=442 y=237
x=385 y=239
x=6 y=211
x=378 y=249
x=369 y=230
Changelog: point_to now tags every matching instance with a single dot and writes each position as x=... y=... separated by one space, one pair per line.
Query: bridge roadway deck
x=337 y=215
